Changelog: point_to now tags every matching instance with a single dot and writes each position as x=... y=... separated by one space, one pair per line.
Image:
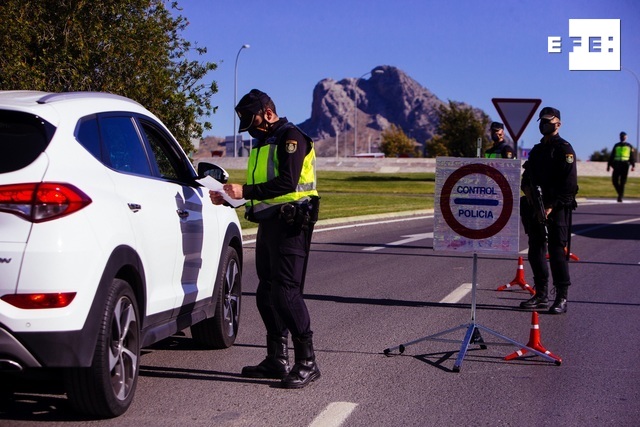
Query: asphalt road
x=375 y=286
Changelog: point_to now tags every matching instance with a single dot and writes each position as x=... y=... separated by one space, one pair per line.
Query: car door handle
x=182 y=213
x=134 y=207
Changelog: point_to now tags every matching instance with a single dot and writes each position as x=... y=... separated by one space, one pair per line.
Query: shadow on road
x=608 y=231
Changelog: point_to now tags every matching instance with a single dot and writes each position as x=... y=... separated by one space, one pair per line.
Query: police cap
x=249 y=106
x=549 y=113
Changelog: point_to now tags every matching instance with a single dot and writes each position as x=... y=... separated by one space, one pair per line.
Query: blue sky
x=466 y=50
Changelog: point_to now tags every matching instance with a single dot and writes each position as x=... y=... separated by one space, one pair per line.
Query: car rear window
x=23 y=137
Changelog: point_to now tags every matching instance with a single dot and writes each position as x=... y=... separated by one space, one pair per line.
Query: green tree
x=458 y=131
x=395 y=143
x=600 y=156
x=132 y=48
x=435 y=147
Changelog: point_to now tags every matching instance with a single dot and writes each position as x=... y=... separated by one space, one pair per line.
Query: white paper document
x=215 y=185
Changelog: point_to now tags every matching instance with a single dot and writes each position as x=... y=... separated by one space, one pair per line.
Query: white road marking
x=366 y=224
x=409 y=238
x=457 y=294
x=334 y=414
x=363 y=224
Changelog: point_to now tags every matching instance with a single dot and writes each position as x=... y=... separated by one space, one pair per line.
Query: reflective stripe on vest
x=622 y=153
x=493 y=155
x=263 y=167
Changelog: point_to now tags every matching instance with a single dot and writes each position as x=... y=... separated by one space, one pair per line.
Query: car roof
x=38 y=102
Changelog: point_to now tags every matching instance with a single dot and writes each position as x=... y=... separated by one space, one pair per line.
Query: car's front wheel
x=106 y=388
x=221 y=330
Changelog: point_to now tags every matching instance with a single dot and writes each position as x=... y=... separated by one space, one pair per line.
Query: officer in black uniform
x=551 y=169
x=622 y=156
x=500 y=149
x=283 y=200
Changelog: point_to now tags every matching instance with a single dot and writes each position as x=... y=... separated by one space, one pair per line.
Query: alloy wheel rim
x=231 y=299
x=123 y=355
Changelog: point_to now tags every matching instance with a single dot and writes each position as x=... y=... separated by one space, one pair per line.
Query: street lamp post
x=637 y=116
x=235 y=102
x=355 y=109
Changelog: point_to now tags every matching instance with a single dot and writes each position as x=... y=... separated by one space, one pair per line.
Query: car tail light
x=42 y=201
x=35 y=301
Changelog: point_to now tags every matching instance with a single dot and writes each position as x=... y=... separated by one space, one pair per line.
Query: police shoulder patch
x=291 y=146
x=569 y=158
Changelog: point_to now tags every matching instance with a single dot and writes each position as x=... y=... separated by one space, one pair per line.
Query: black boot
x=539 y=300
x=275 y=365
x=305 y=369
x=560 y=304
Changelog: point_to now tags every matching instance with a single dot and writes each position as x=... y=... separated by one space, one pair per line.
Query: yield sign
x=516 y=113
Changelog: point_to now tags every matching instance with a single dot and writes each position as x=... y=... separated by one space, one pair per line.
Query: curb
x=353 y=220
x=363 y=218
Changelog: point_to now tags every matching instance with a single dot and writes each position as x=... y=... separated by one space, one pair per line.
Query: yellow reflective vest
x=622 y=153
x=263 y=167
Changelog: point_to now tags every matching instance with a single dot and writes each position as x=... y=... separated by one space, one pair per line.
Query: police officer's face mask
x=261 y=130
x=259 y=134
x=546 y=127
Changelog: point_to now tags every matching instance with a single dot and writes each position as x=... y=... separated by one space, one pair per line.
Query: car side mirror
x=214 y=171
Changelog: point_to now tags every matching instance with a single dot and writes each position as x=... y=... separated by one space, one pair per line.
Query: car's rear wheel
x=221 y=330
x=106 y=388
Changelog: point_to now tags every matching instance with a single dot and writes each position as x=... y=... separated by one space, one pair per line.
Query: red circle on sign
x=507 y=202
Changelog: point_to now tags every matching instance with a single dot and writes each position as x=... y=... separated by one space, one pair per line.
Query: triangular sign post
x=516 y=114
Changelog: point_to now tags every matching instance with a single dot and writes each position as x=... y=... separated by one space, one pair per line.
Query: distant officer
x=622 y=156
x=500 y=149
x=551 y=167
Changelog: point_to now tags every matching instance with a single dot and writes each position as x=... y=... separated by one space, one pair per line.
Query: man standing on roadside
x=282 y=198
x=550 y=183
x=622 y=156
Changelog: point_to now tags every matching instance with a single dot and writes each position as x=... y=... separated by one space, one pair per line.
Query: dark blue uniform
x=282 y=249
x=552 y=166
x=621 y=165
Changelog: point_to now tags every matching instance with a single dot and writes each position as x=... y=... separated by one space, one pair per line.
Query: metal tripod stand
x=472 y=335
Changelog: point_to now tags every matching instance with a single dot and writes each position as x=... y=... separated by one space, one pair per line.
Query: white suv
x=107 y=244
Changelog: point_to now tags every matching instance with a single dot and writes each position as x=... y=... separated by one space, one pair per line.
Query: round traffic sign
x=507 y=201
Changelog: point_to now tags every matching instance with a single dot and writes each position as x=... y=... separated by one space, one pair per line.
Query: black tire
x=6 y=392
x=106 y=388
x=221 y=330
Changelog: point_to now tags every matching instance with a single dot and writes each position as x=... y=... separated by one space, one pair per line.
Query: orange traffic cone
x=572 y=256
x=519 y=280
x=534 y=342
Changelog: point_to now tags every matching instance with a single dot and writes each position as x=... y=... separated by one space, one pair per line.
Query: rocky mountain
x=388 y=96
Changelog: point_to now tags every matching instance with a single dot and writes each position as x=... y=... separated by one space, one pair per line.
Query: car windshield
x=23 y=137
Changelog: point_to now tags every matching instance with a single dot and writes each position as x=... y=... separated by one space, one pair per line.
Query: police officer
x=622 y=156
x=282 y=198
x=500 y=149
x=551 y=168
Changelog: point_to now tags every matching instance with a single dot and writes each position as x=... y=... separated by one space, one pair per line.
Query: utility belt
x=300 y=214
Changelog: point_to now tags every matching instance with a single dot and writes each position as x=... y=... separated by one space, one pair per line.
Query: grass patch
x=345 y=194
